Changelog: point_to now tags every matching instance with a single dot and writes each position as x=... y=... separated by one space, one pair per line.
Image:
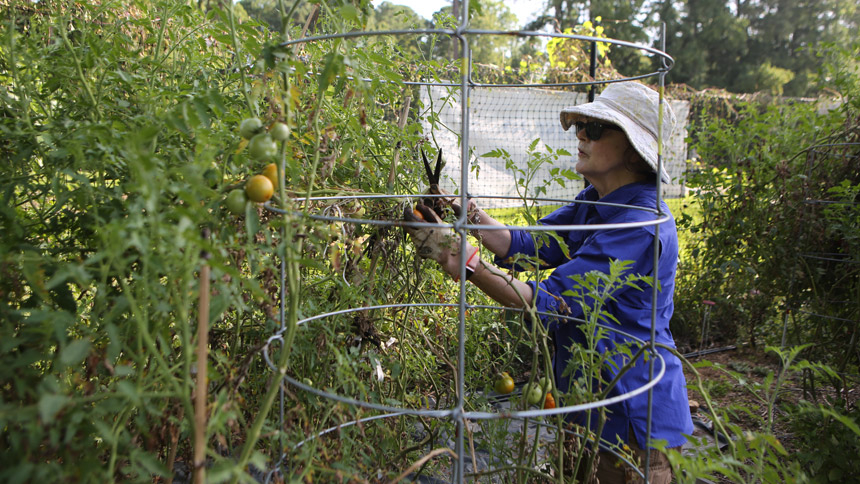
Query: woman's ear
x=634 y=162
x=632 y=159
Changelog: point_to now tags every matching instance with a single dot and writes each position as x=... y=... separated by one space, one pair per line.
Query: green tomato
x=533 y=393
x=249 y=127
x=545 y=383
x=236 y=201
x=280 y=131
x=262 y=147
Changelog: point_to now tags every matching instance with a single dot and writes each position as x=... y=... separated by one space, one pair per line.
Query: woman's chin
x=581 y=167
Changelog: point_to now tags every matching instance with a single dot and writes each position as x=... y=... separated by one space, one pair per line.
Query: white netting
x=511 y=118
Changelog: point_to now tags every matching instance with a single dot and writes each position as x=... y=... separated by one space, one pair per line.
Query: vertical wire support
x=654 y=283
x=810 y=159
x=465 y=92
x=592 y=70
x=282 y=314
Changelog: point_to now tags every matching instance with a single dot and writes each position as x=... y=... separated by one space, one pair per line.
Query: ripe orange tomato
x=549 y=402
x=259 y=189
x=271 y=172
x=504 y=383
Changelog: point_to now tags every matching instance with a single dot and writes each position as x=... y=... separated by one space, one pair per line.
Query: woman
x=617 y=136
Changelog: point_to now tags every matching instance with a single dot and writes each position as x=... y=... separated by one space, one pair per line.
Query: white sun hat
x=634 y=108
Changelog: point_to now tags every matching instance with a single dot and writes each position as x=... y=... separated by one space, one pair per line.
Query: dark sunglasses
x=594 y=129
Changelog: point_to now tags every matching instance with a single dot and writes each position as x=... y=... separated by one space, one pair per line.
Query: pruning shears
x=433 y=182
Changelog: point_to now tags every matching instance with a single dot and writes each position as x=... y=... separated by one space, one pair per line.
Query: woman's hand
x=448 y=202
x=431 y=241
x=442 y=244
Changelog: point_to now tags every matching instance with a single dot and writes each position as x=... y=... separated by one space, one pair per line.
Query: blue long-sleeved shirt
x=592 y=250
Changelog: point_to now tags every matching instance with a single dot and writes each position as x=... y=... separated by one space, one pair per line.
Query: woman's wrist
x=473 y=214
x=472 y=263
x=452 y=264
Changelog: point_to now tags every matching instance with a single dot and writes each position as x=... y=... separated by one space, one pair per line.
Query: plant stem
x=246 y=91
x=80 y=72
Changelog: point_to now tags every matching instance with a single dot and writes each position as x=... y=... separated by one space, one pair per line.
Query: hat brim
x=643 y=142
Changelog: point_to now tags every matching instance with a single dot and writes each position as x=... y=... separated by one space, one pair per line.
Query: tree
x=752 y=45
x=707 y=42
x=493 y=49
x=788 y=33
x=764 y=78
x=485 y=49
x=622 y=20
x=388 y=16
x=269 y=12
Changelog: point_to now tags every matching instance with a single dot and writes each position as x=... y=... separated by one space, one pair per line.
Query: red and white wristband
x=472 y=264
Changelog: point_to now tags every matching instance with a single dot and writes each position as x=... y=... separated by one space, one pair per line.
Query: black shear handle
x=433 y=181
x=433 y=175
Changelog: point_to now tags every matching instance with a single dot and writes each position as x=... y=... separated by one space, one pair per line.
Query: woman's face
x=602 y=160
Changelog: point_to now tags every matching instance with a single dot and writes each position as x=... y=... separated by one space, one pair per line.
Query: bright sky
x=525 y=10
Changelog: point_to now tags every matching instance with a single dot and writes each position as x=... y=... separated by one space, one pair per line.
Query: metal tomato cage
x=463 y=34
x=810 y=260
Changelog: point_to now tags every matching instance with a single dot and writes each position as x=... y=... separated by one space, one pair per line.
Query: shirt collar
x=622 y=195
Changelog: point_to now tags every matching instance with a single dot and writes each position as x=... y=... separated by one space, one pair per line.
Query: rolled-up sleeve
x=548 y=251
x=522 y=245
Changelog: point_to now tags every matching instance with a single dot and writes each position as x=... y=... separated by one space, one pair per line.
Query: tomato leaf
x=74 y=352
x=50 y=405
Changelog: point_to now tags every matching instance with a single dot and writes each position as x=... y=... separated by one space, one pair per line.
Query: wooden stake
x=202 y=392
x=401 y=123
